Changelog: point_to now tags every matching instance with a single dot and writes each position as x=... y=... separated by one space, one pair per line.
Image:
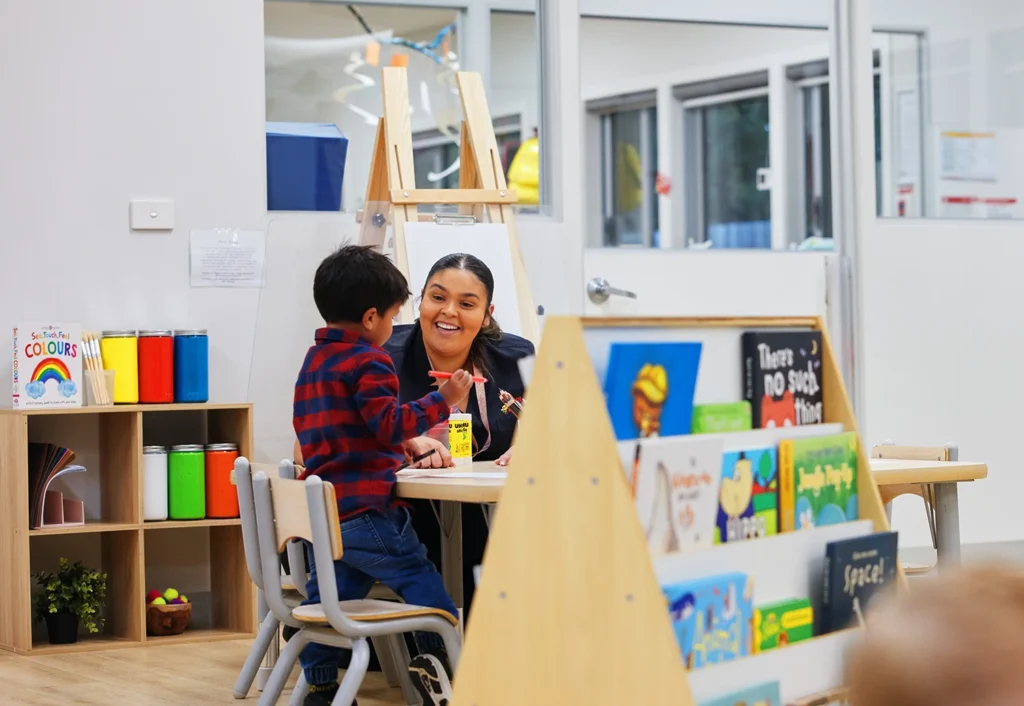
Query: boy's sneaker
x=430 y=679
x=322 y=696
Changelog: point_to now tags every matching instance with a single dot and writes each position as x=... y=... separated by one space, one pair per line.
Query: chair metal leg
x=400 y=653
x=283 y=668
x=452 y=645
x=300 y=691
x=267 y=633
x=386 y=657
x=353 y=678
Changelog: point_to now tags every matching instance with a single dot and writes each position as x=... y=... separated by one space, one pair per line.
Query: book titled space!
x=46 y=369
x=856 y=570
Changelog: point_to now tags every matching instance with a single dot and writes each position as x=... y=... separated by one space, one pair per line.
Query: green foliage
x=73 y=589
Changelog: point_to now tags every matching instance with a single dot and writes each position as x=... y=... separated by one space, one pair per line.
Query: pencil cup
x=460 y=438
x=99 y=388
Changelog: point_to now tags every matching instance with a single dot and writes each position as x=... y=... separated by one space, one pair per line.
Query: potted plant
x=71 y=596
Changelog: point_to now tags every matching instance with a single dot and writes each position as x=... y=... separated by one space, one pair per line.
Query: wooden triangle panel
x=568 y=610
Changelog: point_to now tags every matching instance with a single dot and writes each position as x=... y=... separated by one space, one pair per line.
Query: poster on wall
x=960 y=207
x=996 y=208
x=968 y=156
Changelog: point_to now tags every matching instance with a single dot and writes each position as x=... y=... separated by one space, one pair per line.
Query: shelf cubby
x=108 y=441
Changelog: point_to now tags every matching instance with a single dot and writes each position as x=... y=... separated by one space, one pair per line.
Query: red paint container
x=221 y=495
x=156 y=367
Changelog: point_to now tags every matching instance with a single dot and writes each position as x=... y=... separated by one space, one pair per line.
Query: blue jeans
x=378 y=546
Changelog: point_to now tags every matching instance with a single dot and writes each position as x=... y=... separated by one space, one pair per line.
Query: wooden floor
x=201 y=674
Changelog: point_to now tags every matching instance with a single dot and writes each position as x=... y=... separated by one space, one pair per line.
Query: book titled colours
x=46 y=369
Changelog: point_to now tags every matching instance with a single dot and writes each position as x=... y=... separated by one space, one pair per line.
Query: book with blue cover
x=712 y=618
x=649 y=388
x=748 y=505
x=856 y=570
x=766 y=694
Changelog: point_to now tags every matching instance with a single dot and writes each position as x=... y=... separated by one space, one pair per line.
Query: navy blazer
x=502 y=361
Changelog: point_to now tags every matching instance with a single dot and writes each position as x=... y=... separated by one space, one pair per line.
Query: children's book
x=856 y=570
x=712 y=618
x=721 y=418
x=749 y=498
x=46 y=370
x=783 y=623
x=676 y=493
x=649 y=388
x=817 y=481
x=782 y=377
x=832 y=697
x=766 y=694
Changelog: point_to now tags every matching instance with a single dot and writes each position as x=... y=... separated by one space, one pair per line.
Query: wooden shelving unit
x=120 y=535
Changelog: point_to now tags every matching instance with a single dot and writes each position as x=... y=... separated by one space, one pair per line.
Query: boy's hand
x=455 y=389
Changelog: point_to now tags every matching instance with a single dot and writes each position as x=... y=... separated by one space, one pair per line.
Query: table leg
x=451 y=550
x=947 y=529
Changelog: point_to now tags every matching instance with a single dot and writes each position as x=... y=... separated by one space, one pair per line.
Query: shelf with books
x=567 y=514
x=108 y=442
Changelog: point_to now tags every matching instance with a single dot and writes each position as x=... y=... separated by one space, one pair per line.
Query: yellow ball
x=158 y=601
x=170 y=594
x=184 y=598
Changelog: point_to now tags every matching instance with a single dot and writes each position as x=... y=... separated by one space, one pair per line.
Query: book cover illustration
x=721 y=418
x=649 y=388
x=782 y=377
x=712 y=618
x=46 y=370
x=676 y=494
x=818 y=481
x=766 y=694
x=782 y=623
x=749 y=496
x=856 y=570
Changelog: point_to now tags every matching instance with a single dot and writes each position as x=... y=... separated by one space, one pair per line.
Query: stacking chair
x=290 y=509
x=293 y=590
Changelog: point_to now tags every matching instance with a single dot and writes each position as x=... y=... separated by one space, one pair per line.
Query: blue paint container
x=191 y=366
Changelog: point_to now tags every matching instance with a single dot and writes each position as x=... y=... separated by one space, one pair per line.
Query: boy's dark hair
x=354 y=279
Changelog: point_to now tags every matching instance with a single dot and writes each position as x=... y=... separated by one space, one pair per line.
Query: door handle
x=599 y=291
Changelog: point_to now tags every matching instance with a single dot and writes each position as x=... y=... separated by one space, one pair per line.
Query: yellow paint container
x=120 y=352
x=460 y=438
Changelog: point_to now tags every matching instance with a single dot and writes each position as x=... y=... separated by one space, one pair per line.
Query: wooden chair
x=290 y=509
x=926 y=491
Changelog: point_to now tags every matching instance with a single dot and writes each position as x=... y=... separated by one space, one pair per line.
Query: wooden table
x=936 y=482
x=450 y=494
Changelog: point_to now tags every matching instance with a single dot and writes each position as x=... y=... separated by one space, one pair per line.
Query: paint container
x=156 y=367
x=221 y=495
x=186 y=482
x=154 y=483
x=191 y=366
x=120 y=352
x=460 y=438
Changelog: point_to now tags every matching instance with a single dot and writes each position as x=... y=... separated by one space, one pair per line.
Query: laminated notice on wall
x=968 y=156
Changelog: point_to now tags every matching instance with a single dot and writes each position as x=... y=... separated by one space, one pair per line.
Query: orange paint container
x=221 y=495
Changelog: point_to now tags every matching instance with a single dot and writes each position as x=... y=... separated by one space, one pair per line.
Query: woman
x=456 y=330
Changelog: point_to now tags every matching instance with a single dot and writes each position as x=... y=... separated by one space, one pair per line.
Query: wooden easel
x=392 y=196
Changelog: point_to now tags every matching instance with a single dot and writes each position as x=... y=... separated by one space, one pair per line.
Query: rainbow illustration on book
x=52 y=352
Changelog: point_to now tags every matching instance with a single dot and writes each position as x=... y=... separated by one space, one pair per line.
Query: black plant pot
x=62 y=628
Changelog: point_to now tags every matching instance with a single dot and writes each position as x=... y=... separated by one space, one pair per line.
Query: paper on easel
x=426 y=243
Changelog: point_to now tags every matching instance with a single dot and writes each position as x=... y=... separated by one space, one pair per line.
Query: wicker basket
x=164 y=620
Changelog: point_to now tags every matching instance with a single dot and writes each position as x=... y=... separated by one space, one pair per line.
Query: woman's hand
x=441 y=458
x=504 y=458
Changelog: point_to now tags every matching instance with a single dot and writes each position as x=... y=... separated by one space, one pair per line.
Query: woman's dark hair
x=490 y=331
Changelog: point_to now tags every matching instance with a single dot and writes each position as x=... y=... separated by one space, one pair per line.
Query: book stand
x=568 y=608
x=392 y=196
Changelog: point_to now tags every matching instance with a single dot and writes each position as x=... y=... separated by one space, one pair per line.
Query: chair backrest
x=296 y=550
x=247 y=514
x=911 y=453
x=292 y=509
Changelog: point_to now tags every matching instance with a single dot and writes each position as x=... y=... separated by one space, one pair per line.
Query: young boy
x=351 y=428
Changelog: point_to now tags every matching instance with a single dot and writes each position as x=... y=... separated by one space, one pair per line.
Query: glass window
x=728 y=197
x=629 y=164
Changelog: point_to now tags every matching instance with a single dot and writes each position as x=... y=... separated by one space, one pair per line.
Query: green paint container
x=186 y=482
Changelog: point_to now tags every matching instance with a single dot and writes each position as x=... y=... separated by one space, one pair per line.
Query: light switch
x=152 y=215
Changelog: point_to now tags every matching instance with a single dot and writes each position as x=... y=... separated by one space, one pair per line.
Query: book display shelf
x=133 y=552
x=570 y=593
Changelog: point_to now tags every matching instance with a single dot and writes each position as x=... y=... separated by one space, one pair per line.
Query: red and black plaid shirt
x=348 y=420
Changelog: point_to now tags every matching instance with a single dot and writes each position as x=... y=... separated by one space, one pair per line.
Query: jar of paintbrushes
x=99 y=383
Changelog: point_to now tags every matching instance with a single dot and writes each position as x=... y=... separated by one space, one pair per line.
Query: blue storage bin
x=191 y=366
x=305 y=166
x=741 y=235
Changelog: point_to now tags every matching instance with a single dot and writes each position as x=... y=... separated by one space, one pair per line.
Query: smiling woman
x=457 y=330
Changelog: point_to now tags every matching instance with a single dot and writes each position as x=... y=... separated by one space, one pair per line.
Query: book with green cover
x=817 y=481
x=783 y=623
x=721 y=418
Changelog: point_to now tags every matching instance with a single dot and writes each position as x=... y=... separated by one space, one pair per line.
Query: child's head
x=956 y=639
x=358 y=289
